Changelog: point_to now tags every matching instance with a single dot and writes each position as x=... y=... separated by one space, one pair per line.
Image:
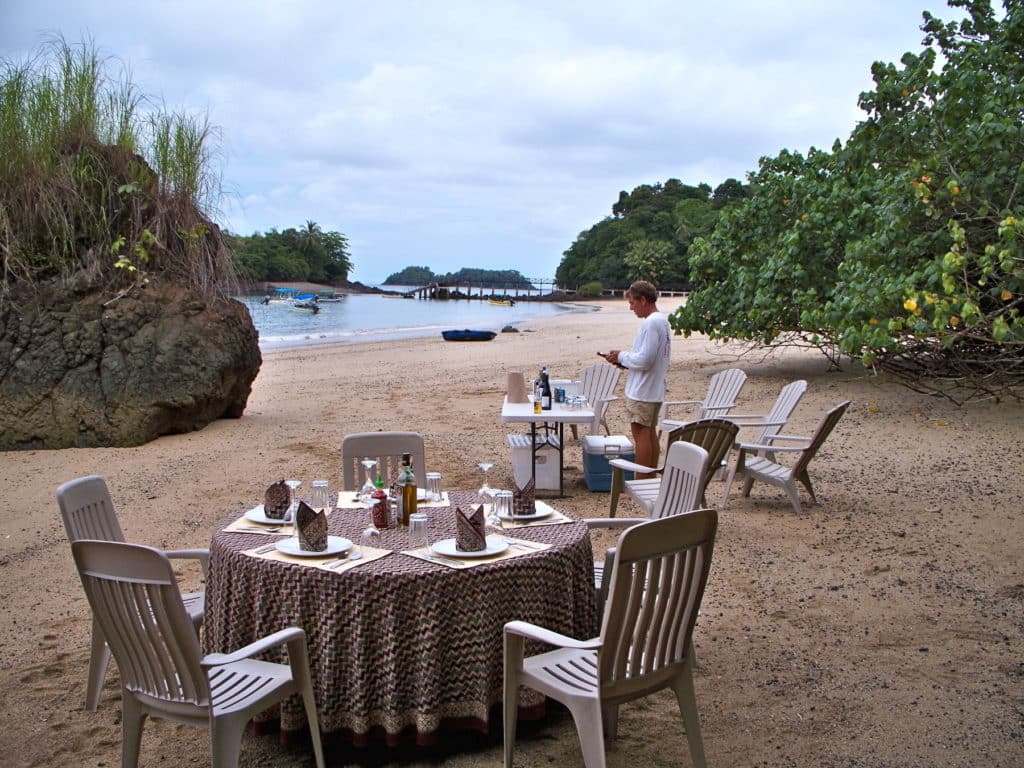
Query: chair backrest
x=680 y=487
x=723 y=389
x=656 y=587
x=598 y=382
x=824 y=429
x=135 y=600
x=87 y=511
x=716 y=436
x=788 y=397
x=387 y=448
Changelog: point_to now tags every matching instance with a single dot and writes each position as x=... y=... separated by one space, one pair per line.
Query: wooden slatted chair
x=135 y=599
x=723 y=389
x=387 y=448
x=645 y=644
x=716 y=436
x=88 y=513
x=753 y=462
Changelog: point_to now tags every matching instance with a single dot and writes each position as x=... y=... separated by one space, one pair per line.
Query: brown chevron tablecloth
x=400 y=643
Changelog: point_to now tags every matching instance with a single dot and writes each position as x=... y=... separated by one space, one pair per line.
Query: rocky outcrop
x=78 y=369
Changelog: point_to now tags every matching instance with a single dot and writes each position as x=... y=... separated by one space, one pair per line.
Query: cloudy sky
x=484 y=132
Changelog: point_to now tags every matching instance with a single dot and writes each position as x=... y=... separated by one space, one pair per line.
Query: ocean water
x=371 y=317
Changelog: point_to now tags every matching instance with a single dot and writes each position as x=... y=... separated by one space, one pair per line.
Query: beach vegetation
x=902 y=247
x=297 y=253
x=591 y=290
x=98 y=180
x=471 y=276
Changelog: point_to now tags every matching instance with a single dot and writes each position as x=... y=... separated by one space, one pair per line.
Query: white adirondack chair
x=723 y=389
x=387 y=448
x=88 y=513
x=645 y=644
x=135 y=599
x=716 y=436
x=773 y=421
x=679 y=491
x=598 y=383
x=753 y=463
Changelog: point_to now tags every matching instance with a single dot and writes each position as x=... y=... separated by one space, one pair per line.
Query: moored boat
x=468 y=335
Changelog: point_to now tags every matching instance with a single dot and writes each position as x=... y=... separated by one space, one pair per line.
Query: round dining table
x=400 y=647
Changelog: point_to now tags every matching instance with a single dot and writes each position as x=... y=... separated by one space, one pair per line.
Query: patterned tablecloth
x=399 y=643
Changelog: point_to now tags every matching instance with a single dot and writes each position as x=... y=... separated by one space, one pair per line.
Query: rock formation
x=83 y=368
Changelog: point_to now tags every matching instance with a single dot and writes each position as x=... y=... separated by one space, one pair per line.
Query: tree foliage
x=484 y=278
x=647 y=236
x=905 y=246
x=307 y=253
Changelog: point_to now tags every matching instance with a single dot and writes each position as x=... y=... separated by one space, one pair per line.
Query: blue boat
x=468 y=335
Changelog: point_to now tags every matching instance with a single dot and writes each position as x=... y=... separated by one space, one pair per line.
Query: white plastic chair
x=753 y=462
x=723 y=389
x=598 y=383
x=679 y=491
x=387 y=448
x=135 y=599
x=88 y=513
x=716 y=436
x=773 y=421
x=645 y=644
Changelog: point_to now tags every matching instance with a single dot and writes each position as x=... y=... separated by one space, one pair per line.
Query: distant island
x=484 y=278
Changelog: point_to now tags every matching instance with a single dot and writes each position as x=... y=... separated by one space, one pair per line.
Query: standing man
x=647 y=365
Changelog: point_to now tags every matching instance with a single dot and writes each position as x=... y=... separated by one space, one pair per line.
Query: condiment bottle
x=407 y=484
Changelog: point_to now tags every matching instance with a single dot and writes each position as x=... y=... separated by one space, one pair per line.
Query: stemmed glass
x=293 y=506
x=486 y=493
x=366 y=492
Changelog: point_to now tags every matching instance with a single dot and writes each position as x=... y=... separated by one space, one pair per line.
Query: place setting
x=521 y=509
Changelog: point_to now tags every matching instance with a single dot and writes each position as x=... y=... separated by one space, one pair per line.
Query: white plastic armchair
x=88 y=513
x=753 y=462
x=387 y=448
x=723 y=389
x=135 y=599
x=773 y=421
x=645 y=644
x=598 y=383
x=679 y=491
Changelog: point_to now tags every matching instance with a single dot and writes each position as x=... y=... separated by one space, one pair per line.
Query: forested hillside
x=486 y=278
x=308 y=253
x=647 y=235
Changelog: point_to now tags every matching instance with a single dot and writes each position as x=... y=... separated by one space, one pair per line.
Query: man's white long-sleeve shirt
x=648 y=360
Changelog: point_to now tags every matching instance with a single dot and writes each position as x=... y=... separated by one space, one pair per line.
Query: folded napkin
x=470 y=530
x=516 y=389
x=311 y=525
x=276 y=500
x=523 y=499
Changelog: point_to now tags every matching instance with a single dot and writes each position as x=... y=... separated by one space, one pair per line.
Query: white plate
x=495 y=545
x=257 y=515
x=335 y=546
x=539 y=514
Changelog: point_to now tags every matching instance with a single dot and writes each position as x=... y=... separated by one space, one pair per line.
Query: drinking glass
x=500 y=509
x=486 y=493
x=321 y=498
x=434 y=486
x=368 y=487
x=419 y=537
x=293 y=505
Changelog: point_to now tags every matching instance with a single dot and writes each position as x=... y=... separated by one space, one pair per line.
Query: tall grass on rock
x=100 y=184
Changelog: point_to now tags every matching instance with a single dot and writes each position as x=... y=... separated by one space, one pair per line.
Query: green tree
x=649 y=260
x=905 y=246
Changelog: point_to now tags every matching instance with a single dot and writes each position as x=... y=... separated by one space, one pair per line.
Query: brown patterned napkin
x=311 y=526
x=470 y=530
x=276 y=500
x=523 y=499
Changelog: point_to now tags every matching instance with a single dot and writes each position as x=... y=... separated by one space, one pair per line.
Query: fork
x=265 y=549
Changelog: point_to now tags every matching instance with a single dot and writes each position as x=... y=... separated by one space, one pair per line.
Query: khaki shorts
x=644 y=414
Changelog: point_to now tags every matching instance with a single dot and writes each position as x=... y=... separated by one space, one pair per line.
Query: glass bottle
x=407 y=483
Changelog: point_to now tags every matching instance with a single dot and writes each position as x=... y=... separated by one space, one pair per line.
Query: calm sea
x=370 y=317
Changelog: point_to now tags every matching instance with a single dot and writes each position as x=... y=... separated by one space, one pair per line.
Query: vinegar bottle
x=407 y=506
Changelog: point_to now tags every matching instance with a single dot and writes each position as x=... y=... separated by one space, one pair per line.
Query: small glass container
x=419 y=537
x=321 y=497
x=434 y=486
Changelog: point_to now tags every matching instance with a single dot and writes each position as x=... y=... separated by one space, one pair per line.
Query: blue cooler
x=597 y=449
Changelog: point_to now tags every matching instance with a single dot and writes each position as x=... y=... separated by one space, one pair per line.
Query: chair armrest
x=632 y=466
x=667 y=403
x=794 y=438
x=755 y=447
x=259 y=646
x=613 y=522
x=202 y=555
x=533 y=632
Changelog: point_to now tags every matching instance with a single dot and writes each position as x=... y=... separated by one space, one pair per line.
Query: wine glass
x=293 y=506
x=368 y=487
x=486 y=493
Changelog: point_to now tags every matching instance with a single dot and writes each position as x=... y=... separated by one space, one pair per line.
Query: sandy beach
x=882 y=627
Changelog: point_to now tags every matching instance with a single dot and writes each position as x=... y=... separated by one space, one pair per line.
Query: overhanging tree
x=905 y=246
